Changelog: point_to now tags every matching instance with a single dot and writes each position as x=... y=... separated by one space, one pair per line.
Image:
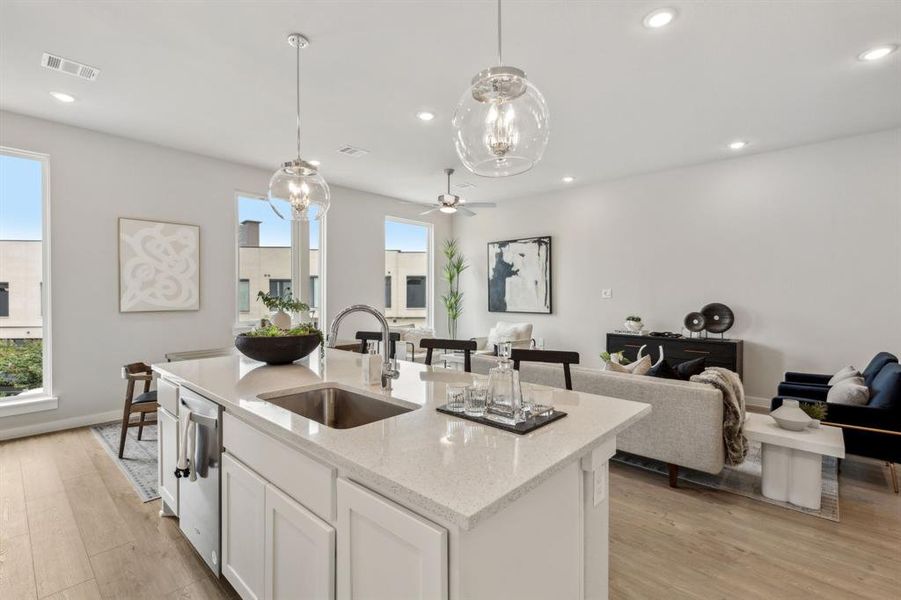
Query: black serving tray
x=527 y=426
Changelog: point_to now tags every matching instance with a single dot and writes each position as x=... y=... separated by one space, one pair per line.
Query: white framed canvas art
x=159 y=266
x=519 y=275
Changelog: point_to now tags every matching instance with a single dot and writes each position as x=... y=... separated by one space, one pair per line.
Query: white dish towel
x=186 y=446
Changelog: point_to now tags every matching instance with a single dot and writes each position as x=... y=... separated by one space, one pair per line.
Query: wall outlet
x=606 y=293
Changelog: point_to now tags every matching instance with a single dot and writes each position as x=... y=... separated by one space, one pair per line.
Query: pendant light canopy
x=298 y=182
x=501 y=122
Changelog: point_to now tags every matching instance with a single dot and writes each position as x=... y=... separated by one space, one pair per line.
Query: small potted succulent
x=816 y=411
x=633 y=323
x=277 y=346
x=282 y=308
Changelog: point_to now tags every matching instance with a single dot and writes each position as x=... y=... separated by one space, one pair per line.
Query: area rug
x=139 y=462
x=744 y=480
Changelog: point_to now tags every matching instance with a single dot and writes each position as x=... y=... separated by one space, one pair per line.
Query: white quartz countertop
x=453 y=468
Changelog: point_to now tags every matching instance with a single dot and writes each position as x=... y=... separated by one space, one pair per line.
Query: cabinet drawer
x=167 y=396
x=306 y=480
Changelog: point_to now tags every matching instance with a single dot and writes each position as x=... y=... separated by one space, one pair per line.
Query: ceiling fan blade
x=430 y=211
x=481 y=204
x=465 y=211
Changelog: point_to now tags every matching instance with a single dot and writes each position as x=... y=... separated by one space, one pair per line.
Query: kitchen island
x=415 y=505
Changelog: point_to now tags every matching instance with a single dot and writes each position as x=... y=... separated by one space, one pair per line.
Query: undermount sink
x=336 y=407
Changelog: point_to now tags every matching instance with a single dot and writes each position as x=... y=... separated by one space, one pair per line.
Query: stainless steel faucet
x=389 y=371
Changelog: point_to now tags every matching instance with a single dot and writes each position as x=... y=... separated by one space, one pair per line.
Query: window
x=24 y=252
x=244 y=295
x=4 y=298
x=275 y=256
x=279 y=287
x=408 y=251
x=416 y=292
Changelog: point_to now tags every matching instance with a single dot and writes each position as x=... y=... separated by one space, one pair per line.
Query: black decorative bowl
x=694 y=322
x=719 y=317
x=276 y=350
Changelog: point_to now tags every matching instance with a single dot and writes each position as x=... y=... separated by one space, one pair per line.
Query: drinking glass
x=456 y=397
x=476 y=400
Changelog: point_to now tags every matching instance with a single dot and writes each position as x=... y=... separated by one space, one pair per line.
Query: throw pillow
x=846 y=373
x=849 y=391
x=639 y=367
x=688 y=368
x=663 y=370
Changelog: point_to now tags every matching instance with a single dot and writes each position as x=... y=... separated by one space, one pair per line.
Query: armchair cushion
x=885 y=391
x=876 y=365
x=844 y=373
x=807 y=378
x=849 y=391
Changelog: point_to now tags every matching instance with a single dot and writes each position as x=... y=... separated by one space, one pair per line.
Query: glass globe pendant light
x=501 y=122
x=298 y=182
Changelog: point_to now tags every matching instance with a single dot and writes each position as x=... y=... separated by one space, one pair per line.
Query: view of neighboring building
x=406 y=287
x=20 y=289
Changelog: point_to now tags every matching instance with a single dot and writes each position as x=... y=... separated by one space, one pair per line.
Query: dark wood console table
x=718 y=352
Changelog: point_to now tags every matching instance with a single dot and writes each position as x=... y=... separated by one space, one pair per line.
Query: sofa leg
x=891 y=468
x=673 y=474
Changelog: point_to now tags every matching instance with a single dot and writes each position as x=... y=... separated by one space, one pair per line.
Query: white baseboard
x=758 y=401
x=72 y=423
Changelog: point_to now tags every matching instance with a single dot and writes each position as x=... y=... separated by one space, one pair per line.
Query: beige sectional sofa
x=685 y=427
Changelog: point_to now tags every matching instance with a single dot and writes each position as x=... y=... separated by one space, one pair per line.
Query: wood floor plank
x=16 y=569
x=99 y=522
x=205 y=589
x=83 y=591
x=60 y=560
x=13 y=518
x=70 y=456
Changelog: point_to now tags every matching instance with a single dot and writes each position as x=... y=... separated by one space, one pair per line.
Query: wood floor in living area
x=71 y=527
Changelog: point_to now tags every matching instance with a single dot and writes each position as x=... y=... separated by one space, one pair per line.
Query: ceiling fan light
x=448 y=210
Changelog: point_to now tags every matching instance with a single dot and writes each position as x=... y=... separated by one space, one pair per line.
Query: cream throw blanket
x=729 y=384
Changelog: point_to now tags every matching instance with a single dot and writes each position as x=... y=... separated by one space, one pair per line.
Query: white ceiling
x=217 y=78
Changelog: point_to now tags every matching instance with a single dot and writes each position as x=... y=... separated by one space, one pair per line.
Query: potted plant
x=816 y=411
x=633 y=323
x=282 y=308
x=277 y=346
x=453 y=300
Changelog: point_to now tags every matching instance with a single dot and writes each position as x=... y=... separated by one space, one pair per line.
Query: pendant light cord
x=298 y=99
x=500 y=54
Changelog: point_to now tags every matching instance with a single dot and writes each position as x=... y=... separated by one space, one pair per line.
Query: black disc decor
x=694 y=322
x=719 y=317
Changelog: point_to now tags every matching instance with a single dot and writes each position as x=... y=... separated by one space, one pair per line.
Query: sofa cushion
x=639 y=367
x=849 y=391
x=885 y=392
x=695 y=366
x=510 y=332
x=845 y=373
x=663 y=370
x=875 y=367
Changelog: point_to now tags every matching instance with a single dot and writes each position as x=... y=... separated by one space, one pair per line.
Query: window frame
x=240 y=293
x=430 y=265
x=32 y=400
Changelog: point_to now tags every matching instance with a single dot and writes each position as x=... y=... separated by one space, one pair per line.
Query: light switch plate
x=606 y=293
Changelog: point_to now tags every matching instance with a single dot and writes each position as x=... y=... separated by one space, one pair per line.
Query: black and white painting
x=519 y=275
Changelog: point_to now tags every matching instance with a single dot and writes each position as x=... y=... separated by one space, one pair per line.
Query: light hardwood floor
x=71 y=527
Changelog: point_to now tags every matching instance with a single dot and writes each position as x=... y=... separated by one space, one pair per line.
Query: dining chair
x=143 y=403
x=565 y=358
x=467 y=346
x=376 y=336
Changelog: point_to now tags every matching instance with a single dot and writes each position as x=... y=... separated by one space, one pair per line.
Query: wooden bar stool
x=547 y=356
x=467 y=346
x=144 y=403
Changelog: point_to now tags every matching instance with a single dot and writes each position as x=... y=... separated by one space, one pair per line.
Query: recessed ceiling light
x=63 y=97
x=877 y=52
x=315 y=163
x=660 y=18
x=425 y=115
x=737 y=145
x=568 y=179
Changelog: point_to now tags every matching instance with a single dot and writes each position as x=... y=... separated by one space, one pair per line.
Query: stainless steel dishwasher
x=199 y=499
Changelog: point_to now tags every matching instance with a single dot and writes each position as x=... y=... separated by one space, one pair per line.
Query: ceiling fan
x=450 y=203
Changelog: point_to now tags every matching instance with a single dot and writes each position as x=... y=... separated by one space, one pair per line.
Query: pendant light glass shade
x=298 y=182
x=501 y=124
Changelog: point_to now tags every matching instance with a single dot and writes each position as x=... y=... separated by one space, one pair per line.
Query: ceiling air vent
x=352 y=151
x=70 y=67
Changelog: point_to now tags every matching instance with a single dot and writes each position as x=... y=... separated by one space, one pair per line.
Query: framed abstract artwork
x=159 y=266
x=519 y=275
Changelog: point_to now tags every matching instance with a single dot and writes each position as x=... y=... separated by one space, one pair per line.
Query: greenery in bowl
x=815 y=410
x=635 y=318
x=273 y=331
x=286 y=303
x=607 y=357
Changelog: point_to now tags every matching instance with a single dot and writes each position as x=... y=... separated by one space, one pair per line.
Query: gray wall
x=804 y=244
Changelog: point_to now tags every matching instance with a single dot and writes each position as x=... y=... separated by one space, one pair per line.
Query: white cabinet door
x=167 y=440
x=386 y=551
x=243 y=528
x=300 y=551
